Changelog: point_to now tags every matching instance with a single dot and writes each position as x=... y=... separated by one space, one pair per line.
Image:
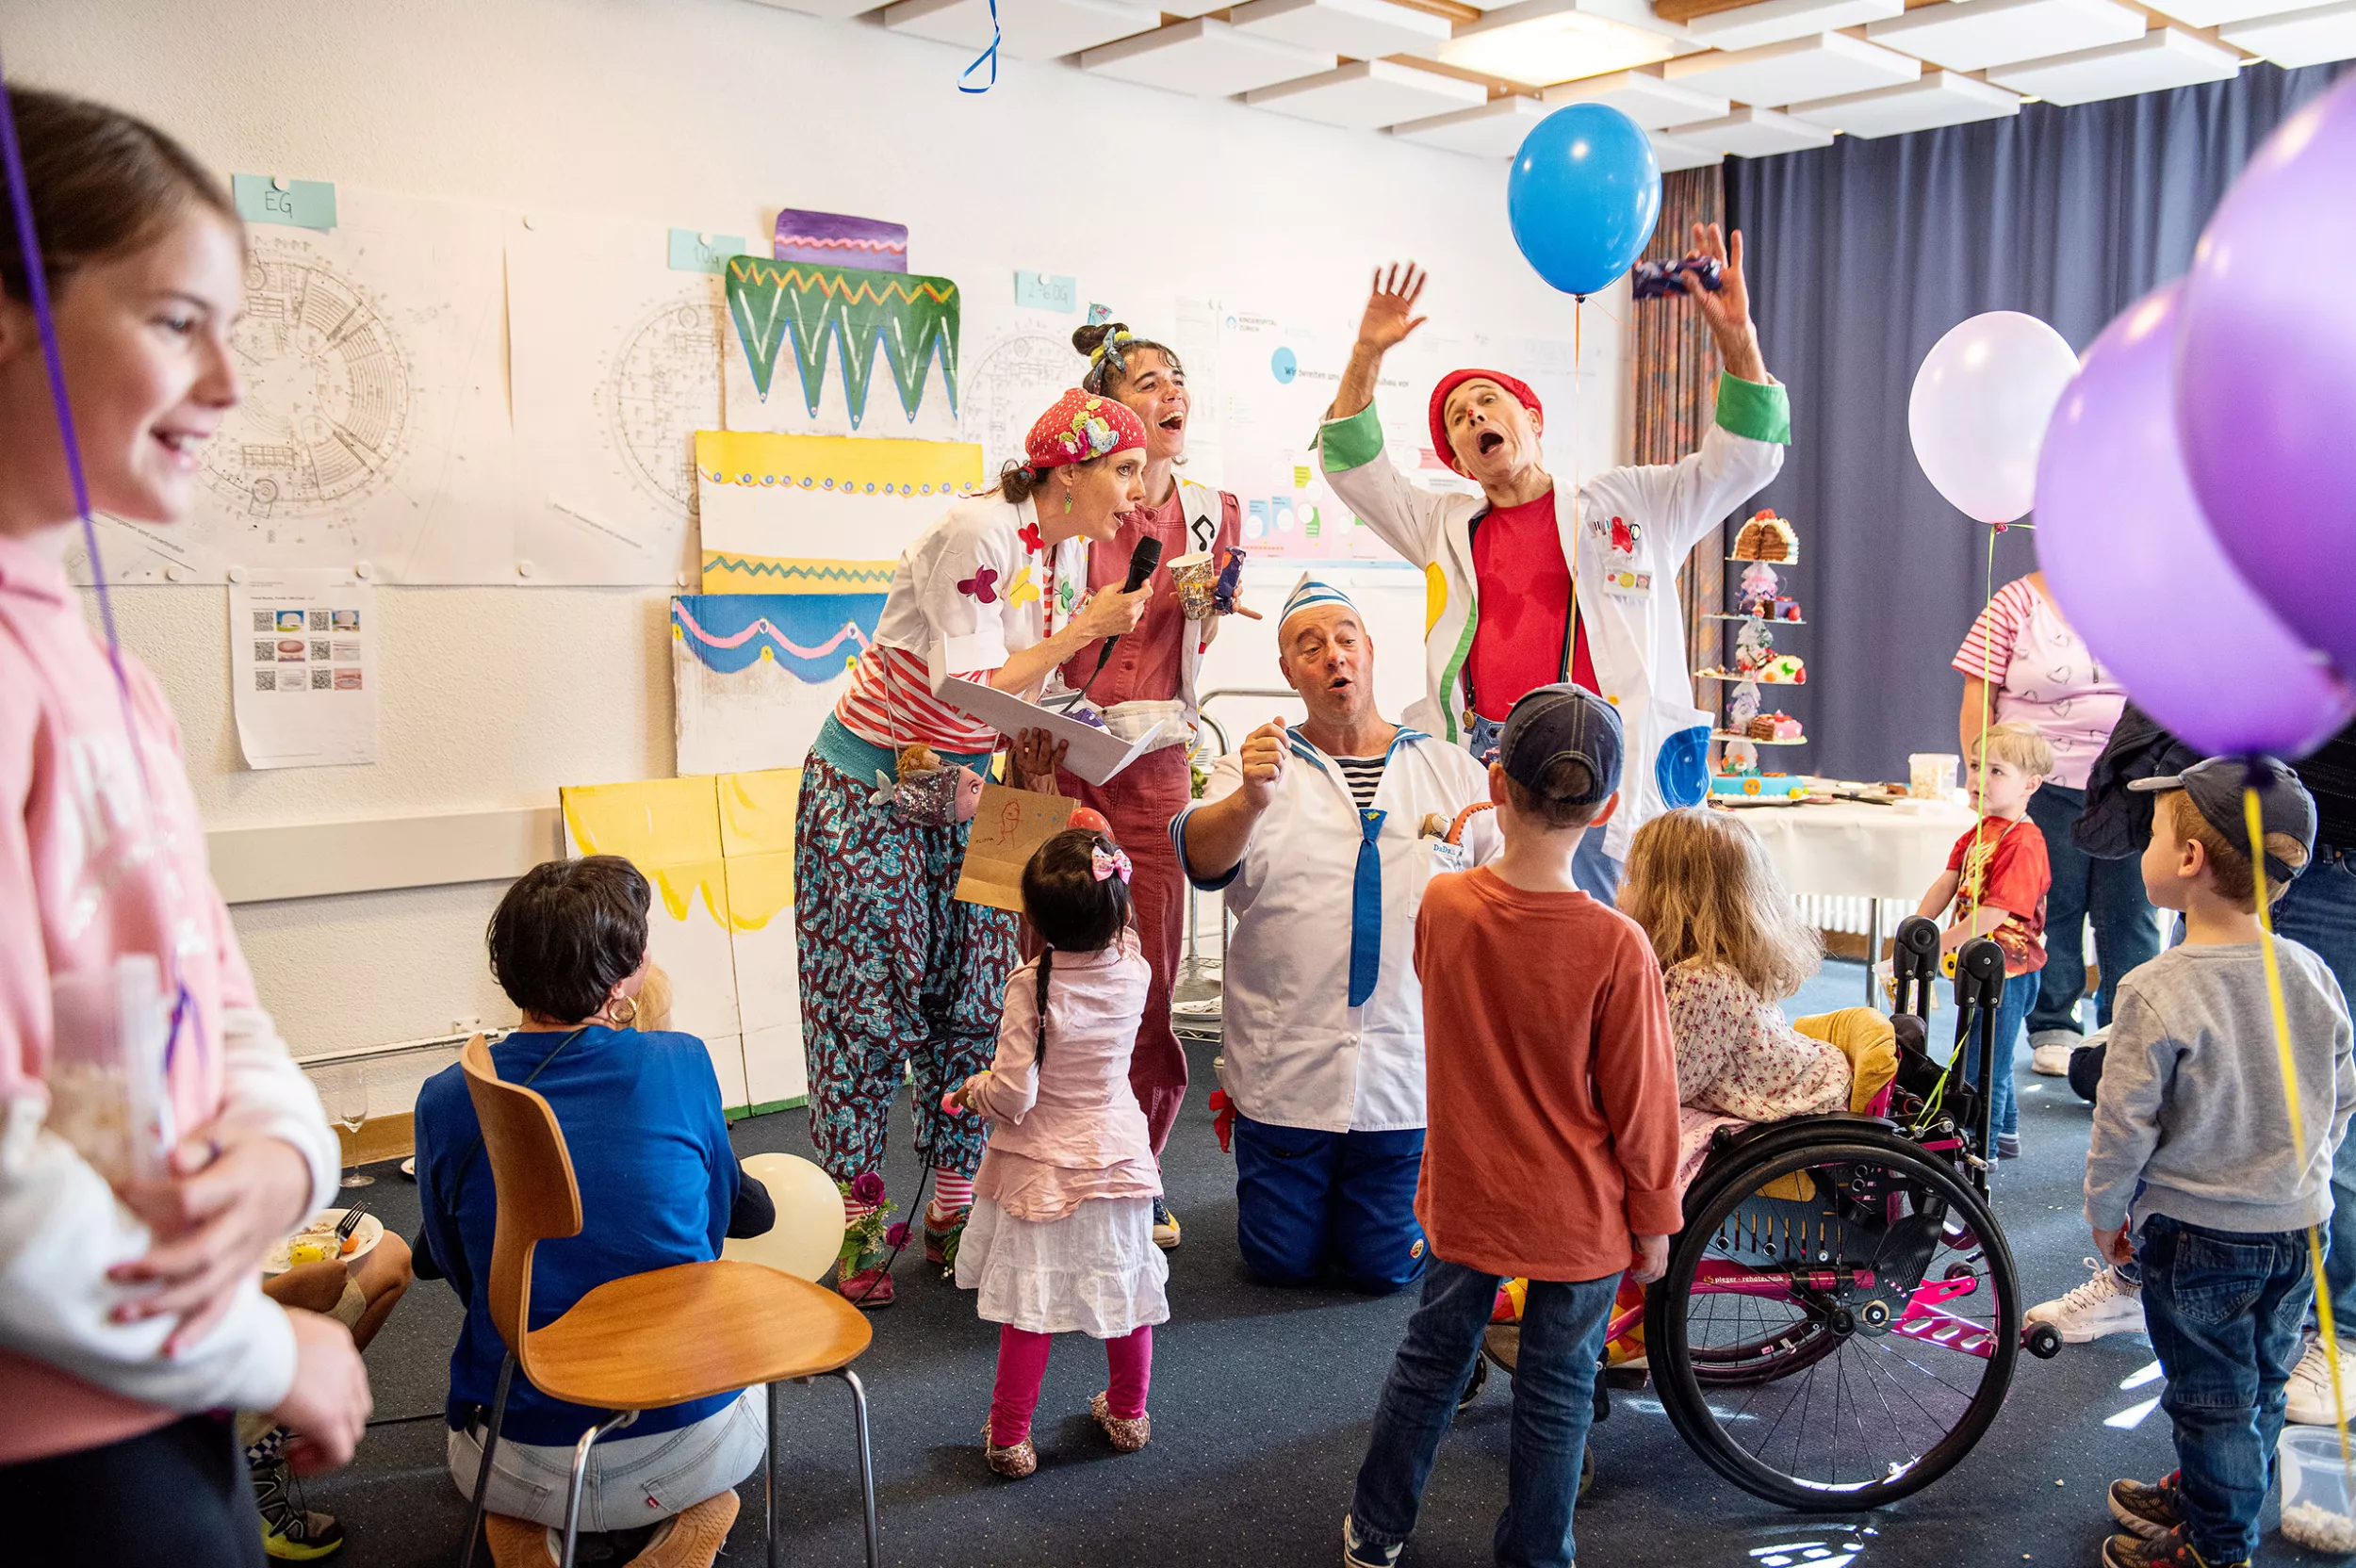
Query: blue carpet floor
x=1260 y=1404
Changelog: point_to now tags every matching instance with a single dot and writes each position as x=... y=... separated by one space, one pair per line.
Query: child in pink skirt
x=1061 y=1236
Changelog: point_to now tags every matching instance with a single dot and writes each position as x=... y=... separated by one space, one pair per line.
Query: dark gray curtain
x=1860 y=256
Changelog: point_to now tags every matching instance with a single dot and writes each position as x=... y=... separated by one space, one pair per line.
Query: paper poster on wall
x=302 y=668
x=839 y=240
x=786 y=513
x=755 y=675
x=836 y=351
x=616 y=362
x=669 y=828
x=373 y=424
x=719 y=853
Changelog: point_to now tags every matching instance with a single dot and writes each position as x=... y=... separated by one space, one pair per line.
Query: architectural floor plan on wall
x=373 y=423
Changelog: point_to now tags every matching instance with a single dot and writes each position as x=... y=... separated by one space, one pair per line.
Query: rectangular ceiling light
x=1972 y=35
x=2162 y=59
x=2217 y=13
x=1940 y=98
x=1753 y=134
x=1549 y=41
x=1643 y=96
x=1033 y=29
x=1205 y=57
x=2301 y=37
x=1774 y=20
x=1494 y=130
x=1674 y=156
x=1360 y=29
x=1825 y=66
x=1366 y=95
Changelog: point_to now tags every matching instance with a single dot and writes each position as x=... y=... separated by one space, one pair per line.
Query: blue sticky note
x=303 y=204
x=1041 y=291
x=703 y=252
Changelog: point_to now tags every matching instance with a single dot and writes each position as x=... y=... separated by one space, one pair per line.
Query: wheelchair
x=1840 y=1315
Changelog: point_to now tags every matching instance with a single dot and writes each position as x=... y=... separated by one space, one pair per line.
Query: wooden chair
x=646 y=1340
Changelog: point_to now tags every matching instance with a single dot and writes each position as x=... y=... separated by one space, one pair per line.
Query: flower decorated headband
x=1080 y=428
x=1110 y=863
x=1114 y=341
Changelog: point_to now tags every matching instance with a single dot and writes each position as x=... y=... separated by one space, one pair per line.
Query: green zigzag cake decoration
x=915 y=317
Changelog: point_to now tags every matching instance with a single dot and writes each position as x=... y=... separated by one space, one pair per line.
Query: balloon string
x=1977 y=866
x=1570 y=634
x=2253 y=824
x=37 y=286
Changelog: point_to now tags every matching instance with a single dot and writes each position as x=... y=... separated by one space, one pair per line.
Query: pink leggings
x=1022 y=1362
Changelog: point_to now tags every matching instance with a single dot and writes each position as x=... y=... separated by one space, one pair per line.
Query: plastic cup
x=2318 y=1505
x=1196 y=577
x=1933 y=774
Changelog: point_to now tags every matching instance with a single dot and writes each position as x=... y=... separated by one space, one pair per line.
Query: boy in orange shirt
x=1551 y=1147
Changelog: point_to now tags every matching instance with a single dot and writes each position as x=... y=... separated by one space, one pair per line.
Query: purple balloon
x=2131 y=563
x=2266 y=359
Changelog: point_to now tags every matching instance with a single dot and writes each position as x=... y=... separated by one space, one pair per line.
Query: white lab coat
x=1297 y=1053
x=1625 y=577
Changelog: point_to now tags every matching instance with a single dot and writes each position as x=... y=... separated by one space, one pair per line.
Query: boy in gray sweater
x=2194 y=1146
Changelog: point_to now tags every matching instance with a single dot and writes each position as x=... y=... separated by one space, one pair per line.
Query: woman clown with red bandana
x=1524 y=593
x=895 y=972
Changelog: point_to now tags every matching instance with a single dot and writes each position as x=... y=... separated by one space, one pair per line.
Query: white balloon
x=1981 y=403
x=809 y=1232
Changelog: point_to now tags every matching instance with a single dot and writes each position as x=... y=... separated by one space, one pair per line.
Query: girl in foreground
x=1062 y=1232
x=130 y=1313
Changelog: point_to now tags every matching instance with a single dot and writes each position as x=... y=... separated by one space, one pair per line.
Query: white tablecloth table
x=1844 y=850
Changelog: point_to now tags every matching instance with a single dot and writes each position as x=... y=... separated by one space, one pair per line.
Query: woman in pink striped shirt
x=894 y=970
x=131 y=1310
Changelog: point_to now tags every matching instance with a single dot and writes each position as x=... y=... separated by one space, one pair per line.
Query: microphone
x=1142 y=560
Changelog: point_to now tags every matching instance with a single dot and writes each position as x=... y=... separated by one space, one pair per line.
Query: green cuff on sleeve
x=1351 y=443
x=1761 y=410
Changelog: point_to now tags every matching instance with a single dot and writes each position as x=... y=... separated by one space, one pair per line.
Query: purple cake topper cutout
x=837 y=239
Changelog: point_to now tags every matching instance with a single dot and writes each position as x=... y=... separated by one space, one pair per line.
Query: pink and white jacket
x=1068 y=1129
x=90 y=870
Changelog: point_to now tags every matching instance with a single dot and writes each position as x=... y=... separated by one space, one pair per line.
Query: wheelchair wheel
x=1822 y=1338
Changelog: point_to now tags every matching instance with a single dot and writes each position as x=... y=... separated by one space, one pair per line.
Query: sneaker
x=2106 y=1304
x=2148 y=1509
x=1357 y=1554
x=942 y=1231
x=290 y=1532
x=2311 y=1386
x=1128 y=1435
x=692 y=1537
x=1015 y=1461
x=1165 y=1226
x=2050 y=1049
x=522 y=1542
x=2007 y=1145
x=2173 y=1549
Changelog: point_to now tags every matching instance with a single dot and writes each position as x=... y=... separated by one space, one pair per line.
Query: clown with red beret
x=1525 y=589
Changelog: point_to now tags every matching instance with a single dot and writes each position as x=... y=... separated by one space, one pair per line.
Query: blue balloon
x=1583 y=196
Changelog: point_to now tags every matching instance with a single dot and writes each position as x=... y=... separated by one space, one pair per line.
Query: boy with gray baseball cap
x=2195 y=1147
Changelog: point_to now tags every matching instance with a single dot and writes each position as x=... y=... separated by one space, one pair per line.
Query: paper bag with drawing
x=1009 y=827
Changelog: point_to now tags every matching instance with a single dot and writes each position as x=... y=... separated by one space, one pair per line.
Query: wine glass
x=346 y=1094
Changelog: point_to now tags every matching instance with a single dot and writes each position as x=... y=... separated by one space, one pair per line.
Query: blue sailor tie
x=1365 y=911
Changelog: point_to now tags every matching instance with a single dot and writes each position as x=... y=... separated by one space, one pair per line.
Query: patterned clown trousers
x=895 y=974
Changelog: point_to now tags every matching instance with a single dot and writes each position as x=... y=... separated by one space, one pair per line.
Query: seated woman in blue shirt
x=658 y=1186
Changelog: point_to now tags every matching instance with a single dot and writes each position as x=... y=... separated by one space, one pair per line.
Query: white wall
x=709 y=114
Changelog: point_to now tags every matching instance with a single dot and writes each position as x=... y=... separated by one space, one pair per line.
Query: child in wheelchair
x=1732 y=944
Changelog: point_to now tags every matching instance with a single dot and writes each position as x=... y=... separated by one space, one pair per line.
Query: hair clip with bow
x=1110 y=863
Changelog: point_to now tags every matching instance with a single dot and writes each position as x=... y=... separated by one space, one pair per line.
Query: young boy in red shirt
x=1550 y=1151
x=1996 y=881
